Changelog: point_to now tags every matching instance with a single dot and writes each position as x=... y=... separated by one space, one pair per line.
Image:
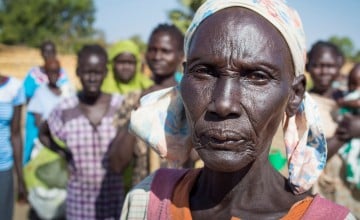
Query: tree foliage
x=182 y=18
x=29 y=22
x=139 y=42
x=347 y=47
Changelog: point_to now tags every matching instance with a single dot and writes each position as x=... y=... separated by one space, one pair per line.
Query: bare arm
x=349 y=103
x=334 y=144
x=16 y=142
x=121 y=150
x=38 y=119
x=46 y=139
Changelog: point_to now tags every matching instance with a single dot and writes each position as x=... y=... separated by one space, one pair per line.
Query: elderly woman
x=243 y=76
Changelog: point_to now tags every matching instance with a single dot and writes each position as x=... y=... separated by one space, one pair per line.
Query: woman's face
x=92 y=71
x=323 y=68
x=354 y=79
x=124 y=67
x=48 y=51
x=52 y=70
x=163 y=55
x=238 y=77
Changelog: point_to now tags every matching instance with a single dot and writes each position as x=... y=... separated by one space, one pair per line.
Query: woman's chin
x=226 y=161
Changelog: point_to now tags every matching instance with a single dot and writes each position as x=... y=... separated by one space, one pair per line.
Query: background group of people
x=87 y=129
x=83 y=126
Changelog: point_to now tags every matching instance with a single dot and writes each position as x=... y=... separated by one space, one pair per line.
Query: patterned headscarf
x=304 y=139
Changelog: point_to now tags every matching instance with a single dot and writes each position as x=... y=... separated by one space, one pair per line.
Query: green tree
x=346 y=46
x=29 y=22
x=138 y=41
x=181 y=18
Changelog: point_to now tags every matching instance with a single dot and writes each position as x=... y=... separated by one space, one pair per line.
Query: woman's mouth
x=222 y=140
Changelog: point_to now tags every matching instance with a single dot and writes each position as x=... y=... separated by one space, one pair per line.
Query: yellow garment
x=138 y=82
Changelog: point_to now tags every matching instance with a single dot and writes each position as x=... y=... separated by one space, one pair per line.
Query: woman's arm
x=46 y=139
x=38 y=119
x=334 y=144
x=16 y=142
x=349 y=103
x=121 y=150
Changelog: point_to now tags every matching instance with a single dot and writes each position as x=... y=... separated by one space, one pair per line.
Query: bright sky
x=120 y=19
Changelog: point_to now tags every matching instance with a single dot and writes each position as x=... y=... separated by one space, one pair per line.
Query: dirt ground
x=20 y=211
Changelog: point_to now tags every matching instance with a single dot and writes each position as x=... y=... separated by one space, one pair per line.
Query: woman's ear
x=297 y=95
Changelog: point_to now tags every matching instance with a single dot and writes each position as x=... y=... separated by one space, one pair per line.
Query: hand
x=68 y=156
x=22 y=193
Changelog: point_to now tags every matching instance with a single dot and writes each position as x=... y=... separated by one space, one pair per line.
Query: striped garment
x=93 y=191
x=33 y=79
x=11 y=95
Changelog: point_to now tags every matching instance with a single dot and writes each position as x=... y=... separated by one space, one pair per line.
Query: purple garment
x=93 y=192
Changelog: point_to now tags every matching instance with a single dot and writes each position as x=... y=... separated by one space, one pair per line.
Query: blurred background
x=25 y=24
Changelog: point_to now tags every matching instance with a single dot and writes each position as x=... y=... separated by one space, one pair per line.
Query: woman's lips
x=222 y=140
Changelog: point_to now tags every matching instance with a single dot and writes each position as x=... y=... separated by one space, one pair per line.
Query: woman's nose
x=226 y=98
x=157 y=55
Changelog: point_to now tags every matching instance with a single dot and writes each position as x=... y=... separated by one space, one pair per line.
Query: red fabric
x=161 y=191
x=321 y=208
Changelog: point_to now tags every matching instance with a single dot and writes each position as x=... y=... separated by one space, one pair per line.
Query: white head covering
x=160 y=121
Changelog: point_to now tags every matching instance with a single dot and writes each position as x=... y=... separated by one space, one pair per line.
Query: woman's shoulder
x=11 y=88
x=116 y=98
x=137 y=199
x=68 y=102
x=317 y=207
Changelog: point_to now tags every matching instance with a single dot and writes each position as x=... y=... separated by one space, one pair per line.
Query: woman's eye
x=201 y=71
x=258 y=77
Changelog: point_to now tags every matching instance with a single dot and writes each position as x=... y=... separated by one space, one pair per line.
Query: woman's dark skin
x=163 y=57
x=349 y=125
x=16 y=143
x=124 y=67
x=239 y=80
x=52 y=70
x=48 y=50
x=92 y=71
x=324 y=68
x=93 y=103
x=348 y=128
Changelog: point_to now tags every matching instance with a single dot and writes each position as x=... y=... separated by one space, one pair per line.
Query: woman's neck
x=325 y=93
x=214 y=190
x=165 y=81
x=90 y=99
x=217 y=185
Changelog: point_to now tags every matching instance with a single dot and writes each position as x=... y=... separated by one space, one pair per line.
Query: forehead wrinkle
x=243 y=37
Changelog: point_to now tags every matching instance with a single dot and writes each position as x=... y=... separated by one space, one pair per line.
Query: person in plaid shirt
x=81 y=128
